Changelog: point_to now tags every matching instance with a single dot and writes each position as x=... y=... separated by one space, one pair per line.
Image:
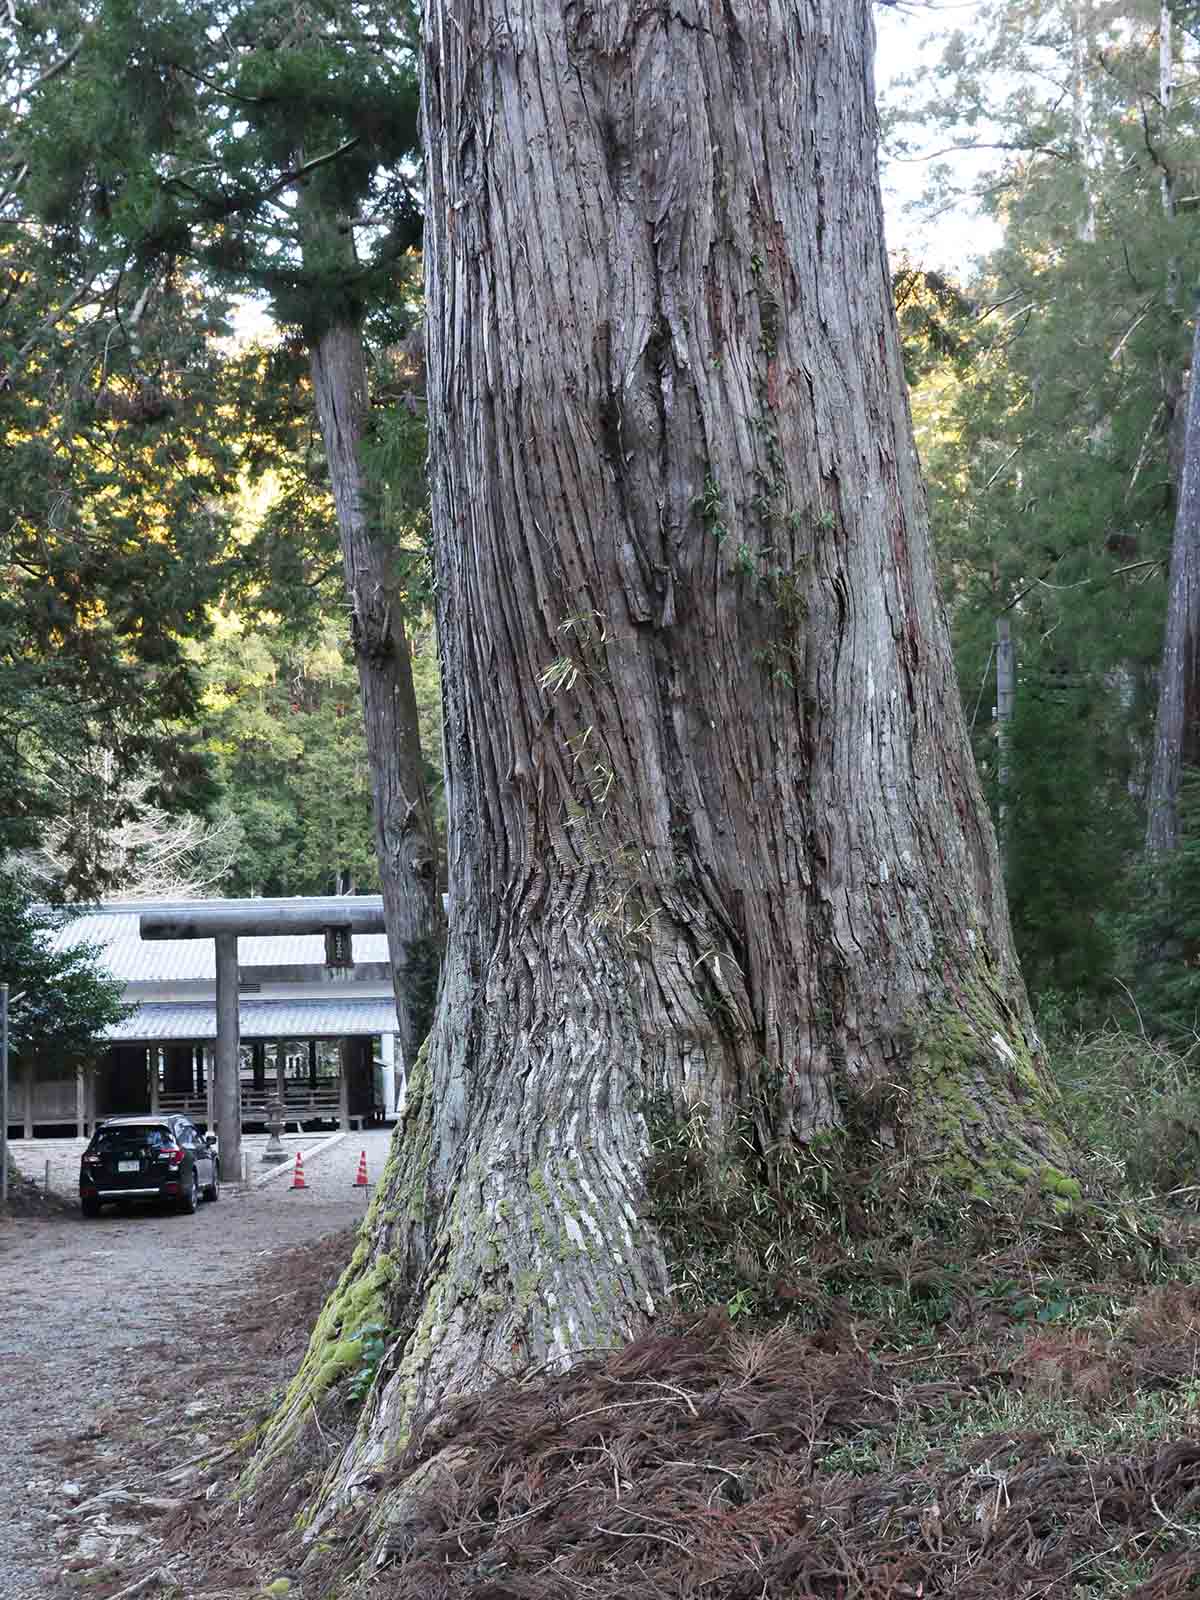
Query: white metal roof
x=334 y=1018
x=114 y=928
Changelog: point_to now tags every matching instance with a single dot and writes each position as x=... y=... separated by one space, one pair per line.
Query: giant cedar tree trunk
x=1177 y=729
x=404 y=835
x=716 y=838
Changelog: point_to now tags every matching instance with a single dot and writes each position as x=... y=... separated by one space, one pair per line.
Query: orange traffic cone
x=360 y=1181
x=298 y=1176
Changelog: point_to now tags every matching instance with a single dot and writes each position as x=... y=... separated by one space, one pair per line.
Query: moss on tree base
x=369 y=1290
x=980 y=1116
x=336 y=1350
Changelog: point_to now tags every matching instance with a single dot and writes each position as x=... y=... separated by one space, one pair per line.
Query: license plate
x=129 y=1166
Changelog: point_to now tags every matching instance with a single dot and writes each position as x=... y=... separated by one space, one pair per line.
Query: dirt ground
x=1014 y=1420
x=133 y=1342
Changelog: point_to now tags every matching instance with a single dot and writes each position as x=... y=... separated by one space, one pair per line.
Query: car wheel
x=89 y=1207
x=192 y=1198
x=212 y=1191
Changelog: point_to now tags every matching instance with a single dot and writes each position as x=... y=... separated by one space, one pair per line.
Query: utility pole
x=1005 y=688
x=7 y=1000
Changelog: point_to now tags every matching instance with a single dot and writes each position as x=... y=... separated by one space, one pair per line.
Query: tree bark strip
x=1177 y=727
x=404 y=831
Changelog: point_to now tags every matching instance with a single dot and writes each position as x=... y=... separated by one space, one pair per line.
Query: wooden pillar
x=312 y=1063
x=345 y=1058
x=80 y=1104
x=27 y=1079
x=281 y=1071
x=153 y=1063
x=206 y=1061
x=258 y=1060
x=365 y=1077
x=227 y=1098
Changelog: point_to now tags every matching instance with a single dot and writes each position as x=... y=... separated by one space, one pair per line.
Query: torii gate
x=224 y=927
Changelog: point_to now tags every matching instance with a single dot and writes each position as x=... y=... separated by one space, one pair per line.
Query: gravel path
x=90 y=1307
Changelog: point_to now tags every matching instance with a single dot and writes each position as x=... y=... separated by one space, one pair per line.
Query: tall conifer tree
x=268 y=146
x=719 y=853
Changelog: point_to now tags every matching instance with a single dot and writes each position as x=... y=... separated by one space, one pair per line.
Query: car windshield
x=132 y=1138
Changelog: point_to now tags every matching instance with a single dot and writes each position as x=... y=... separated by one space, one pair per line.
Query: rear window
x=132 y=1138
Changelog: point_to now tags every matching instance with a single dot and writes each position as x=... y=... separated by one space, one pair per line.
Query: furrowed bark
x=716 y=839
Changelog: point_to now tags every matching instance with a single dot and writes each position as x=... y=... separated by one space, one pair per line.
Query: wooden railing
x=301 y=1103
x=183 y=1105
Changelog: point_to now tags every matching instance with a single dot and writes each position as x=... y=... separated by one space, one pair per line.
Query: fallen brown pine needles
x=1045 y=1461
x=1019 y=1424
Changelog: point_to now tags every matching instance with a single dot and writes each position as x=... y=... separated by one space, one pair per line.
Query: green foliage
x=281 y=723
x=166 y=156
x=65 y=998
x=1132 y=1105
x=733 y=1225
x=290 y=565
x=1049 y=389
x=192 y=119
x=822 y=1248
x=281 y=720
x=114 y=472
x=373 y=1338
x=935 y=318
x=1069 y=830
x=110 y=552
x=1029 y=514
x=742 y=1223
x=1163 y=928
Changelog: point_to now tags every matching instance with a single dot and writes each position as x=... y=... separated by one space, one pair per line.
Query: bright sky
x=908 y=36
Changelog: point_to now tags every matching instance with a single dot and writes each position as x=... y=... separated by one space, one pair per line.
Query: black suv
x=148 y=1158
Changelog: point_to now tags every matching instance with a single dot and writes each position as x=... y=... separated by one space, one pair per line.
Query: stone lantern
x=274 y=1152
